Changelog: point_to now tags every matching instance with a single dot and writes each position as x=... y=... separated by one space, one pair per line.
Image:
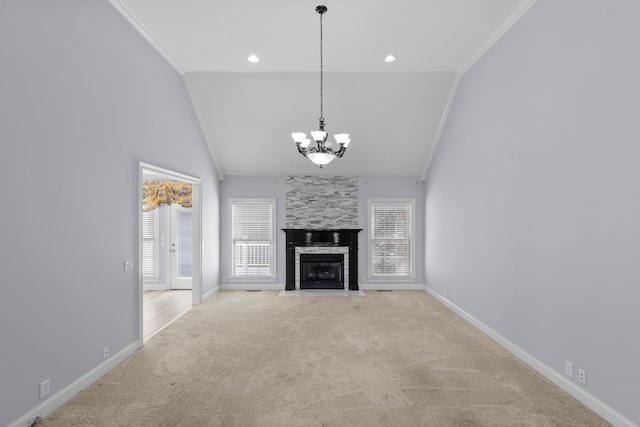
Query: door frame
x=146 y=168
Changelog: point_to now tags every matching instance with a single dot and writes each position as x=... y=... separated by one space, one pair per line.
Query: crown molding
x=203 y=126
x=497 y=34
x=147 y=34
x=441 y=125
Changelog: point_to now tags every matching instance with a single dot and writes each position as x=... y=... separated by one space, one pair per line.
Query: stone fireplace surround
x=340 y=241
x=321 y=218
x=342 y=250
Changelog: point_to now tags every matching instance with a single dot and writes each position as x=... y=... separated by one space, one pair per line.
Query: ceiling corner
x=497 y=34
x=128 y=14
x=441 y=125
x=205 y=133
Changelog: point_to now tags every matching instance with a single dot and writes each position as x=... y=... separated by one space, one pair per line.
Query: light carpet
x=386 y=359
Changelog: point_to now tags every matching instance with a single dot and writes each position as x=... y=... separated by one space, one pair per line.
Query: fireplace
x=336 y=250
x=321 y=271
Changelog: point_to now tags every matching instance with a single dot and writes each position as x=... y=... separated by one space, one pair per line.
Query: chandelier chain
x=321 y=153
x=321 y=77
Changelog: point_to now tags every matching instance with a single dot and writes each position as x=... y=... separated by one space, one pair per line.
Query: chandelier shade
x=322 y=152
x=321 y=158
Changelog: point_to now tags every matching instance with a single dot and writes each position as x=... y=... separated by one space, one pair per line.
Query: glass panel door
x=181 y=249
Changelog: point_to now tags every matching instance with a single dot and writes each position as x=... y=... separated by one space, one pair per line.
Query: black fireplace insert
x=321 y=271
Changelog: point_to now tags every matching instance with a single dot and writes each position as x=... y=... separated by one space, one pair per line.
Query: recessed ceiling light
x=253 y=58
x=390 y=58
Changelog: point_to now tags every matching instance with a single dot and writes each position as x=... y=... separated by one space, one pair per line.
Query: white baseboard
x=252 y=287
x=363 y=287
x=211 y=293
x=599 y=407
x=373 y=286
x=64 y=395
x=588 y=400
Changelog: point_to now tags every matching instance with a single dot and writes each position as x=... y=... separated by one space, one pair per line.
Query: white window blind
x=150 y=245
x=252 y=234
x=391 y=232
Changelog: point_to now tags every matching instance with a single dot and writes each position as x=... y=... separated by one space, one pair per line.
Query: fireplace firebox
x=321 y=271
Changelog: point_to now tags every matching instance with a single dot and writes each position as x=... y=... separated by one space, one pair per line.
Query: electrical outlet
x=45 y=388
x=128 y=265
x=105 y=352
x=568 y=369
x=582 y=376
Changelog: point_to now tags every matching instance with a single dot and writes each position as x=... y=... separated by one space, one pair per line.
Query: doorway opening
x=169 y=251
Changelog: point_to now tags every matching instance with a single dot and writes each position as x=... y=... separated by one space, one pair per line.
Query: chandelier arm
x=305 y=151
x=340 y=152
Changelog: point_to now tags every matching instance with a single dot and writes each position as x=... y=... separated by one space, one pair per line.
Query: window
x=150 y=246
x=391 y=238
x=252 y=238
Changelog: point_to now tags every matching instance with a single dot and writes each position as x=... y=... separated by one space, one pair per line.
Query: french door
x=181 y=248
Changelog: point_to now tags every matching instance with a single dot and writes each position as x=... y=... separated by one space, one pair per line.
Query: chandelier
x=321 y=153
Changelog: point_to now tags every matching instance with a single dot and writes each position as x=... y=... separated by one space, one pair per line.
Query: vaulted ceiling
x=394 y=112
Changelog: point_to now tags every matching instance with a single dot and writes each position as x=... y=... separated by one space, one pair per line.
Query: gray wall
x=371 y=187
x=272 y=187
x=533 y=197
x=368 y=187
x=84 y=98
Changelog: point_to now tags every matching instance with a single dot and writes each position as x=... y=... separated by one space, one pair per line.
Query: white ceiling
x=394 y=112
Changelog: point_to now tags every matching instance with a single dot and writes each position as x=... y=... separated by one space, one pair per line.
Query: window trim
x=412 y=239
x=244 y=279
